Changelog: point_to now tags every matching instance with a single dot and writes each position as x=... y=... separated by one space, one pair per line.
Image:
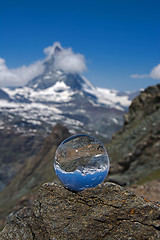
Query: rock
x=144 y=104
x=134 y=151
x=105 y=212
x=149 y=190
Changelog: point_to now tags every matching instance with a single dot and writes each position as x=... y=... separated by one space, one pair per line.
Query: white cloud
x=19 y=76
x=70 y=62
x=26 y=73
x=51 y=49
x=154 y=74
x=140 y=76
x=6 y=76
x=65 y=60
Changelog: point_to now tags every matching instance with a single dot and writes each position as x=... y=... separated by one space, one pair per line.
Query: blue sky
x=119 y=39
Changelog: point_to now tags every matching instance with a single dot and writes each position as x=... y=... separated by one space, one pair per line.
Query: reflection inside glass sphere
x=81 y=162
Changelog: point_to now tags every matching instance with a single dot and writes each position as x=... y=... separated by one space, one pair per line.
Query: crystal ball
x=81 y=162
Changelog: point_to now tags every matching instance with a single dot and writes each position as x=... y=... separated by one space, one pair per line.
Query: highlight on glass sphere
x=81 y=162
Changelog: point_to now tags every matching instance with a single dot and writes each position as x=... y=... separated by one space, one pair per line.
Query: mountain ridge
x=68 y=98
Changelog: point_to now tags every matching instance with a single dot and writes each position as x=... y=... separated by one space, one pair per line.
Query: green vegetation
x=155 y=175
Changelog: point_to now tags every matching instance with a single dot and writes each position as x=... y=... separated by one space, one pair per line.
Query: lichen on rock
x=105 y=212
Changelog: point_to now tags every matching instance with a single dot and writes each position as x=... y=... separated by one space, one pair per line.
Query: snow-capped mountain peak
x=66 y=97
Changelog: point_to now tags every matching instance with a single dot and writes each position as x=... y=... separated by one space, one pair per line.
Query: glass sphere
x=81 y=162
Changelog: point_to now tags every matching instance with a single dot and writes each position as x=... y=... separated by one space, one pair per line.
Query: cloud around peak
x=64 y=59
x=70 y=62
x=50 y=50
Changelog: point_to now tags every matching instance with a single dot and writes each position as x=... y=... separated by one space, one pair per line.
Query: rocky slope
x=105 y=212
x=15 y=149
x=33 y=173
x=135 y=150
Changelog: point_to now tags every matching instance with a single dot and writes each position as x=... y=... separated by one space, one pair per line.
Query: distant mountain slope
x=15 y=149
x=4 y=95
x=67 y=98
x=34 y=172
x=135 y=150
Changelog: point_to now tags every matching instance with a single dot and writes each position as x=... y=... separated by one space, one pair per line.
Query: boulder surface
x=105 y=212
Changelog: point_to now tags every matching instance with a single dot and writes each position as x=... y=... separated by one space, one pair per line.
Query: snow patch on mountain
x=60 y=92
x=111 y=97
